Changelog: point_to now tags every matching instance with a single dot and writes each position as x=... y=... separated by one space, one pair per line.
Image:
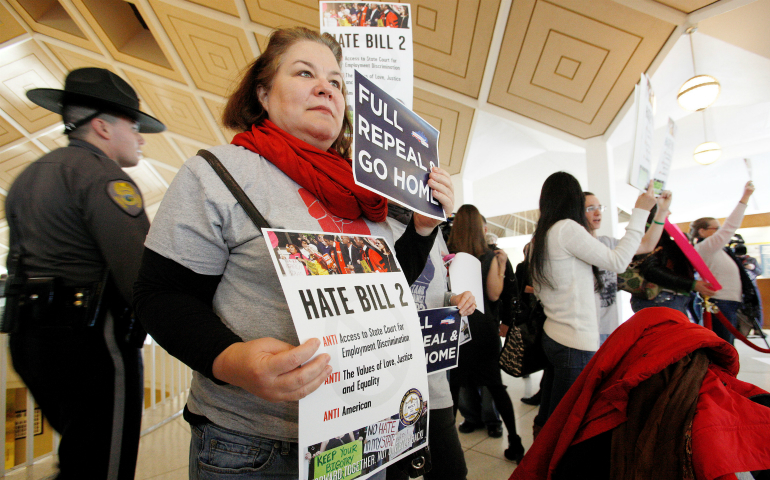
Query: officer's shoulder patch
x=126 y=196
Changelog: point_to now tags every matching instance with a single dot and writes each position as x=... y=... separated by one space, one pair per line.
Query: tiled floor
x=163 y=453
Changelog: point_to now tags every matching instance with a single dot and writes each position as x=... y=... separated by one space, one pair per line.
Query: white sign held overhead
x=376 y=40
x=641 y=164
x=664 y=164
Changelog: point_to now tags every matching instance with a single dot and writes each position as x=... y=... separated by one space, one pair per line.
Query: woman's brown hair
x=467 y=234
x=695 y=227
x=244 y=109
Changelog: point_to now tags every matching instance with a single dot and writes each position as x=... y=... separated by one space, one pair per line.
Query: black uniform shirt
x=75 y=211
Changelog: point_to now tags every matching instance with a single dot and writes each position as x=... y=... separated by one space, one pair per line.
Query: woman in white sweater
x=710 y=239
x=563 y=261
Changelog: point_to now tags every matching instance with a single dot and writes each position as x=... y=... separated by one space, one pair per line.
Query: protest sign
x=376 y=40
x=373 y=408
x=393 y=149
x=664 y=165
x=465 y=276
x=441 y=337
x=641 y=167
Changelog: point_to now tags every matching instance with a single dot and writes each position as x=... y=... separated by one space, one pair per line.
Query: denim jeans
x=217 y=453
x=729 y=309
x=664 y=299
x=477 y=406
x=565 y=365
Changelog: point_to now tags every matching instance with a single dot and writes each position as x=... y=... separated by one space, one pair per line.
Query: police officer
x=77 y=229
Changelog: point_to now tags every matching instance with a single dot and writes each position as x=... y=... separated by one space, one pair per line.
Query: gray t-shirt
x=609 y=319
x=428 y=292
x=201 y=226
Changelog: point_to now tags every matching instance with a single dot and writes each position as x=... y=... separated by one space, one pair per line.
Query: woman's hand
x=647 y=199
x=465 y=301
x=443 y=192
x=704 y=288
x=664 y=203
x=272 y=369
x=747 y=191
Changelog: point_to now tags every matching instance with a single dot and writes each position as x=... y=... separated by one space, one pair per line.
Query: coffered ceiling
x=564 y=66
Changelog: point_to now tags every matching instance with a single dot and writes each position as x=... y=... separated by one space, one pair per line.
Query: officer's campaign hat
x=96 y=88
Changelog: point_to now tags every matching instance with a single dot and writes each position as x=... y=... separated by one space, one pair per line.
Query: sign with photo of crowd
x=349 y=292
x=376 y=40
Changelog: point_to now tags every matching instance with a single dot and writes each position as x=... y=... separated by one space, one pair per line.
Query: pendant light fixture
x=700 y=91
x=707 y=152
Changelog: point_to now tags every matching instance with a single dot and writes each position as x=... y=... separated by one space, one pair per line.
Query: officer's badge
x=126 y=196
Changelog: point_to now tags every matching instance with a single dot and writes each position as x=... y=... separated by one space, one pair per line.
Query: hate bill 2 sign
x=393 y=149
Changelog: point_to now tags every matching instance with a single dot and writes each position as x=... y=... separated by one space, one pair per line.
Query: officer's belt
x=46 y=303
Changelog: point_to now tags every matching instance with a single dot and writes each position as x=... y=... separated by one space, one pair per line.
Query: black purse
x=522 y=353
x=415 y=464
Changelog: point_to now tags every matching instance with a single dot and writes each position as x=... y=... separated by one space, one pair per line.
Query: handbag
x=522 y=353
x=633 y=282
x=416 y=464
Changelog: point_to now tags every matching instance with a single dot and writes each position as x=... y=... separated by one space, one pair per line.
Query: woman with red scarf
x=207 y=291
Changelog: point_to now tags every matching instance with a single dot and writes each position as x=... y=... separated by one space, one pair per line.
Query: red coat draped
x=730 y=432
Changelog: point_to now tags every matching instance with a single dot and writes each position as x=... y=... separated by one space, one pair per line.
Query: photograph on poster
x=360 y=14
x=368 y=448
x=306 y=254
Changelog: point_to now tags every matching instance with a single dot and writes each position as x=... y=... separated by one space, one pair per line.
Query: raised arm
x=719 y=239
x=584 y=246
x=652 y=235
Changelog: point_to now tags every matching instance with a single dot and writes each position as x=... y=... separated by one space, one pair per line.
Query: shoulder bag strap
x=235 y=189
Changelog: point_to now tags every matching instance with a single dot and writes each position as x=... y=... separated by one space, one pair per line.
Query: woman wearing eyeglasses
x=609 y=319
x=710 y=239
x=562 y=256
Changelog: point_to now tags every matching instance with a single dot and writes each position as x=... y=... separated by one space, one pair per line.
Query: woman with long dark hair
x=563 y=262
x=478 y=365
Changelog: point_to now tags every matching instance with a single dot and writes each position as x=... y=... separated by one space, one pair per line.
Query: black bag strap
x=235 y=189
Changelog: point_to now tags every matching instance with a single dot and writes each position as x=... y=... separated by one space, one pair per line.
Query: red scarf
x=327 y=175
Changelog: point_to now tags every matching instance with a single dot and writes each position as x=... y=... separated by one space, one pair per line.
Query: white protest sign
x=641 y=164
x=373 y=408
x=465 y=275
x=664 y=165
x=376 y=40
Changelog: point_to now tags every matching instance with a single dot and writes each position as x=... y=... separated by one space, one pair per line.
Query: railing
x=165 y=378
